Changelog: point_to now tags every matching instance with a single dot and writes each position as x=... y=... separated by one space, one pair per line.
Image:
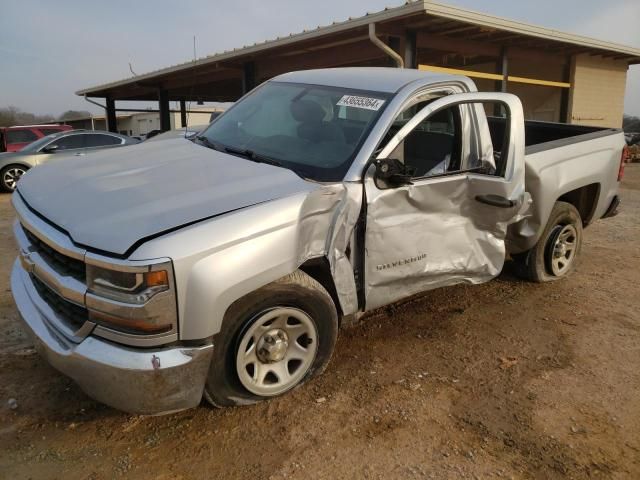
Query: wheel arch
x=16 y=163
x=319 y=269
x=585 y=199
x=202 y=300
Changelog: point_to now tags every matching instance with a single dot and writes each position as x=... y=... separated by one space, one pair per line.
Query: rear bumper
x=613 y=209
x=145 y=381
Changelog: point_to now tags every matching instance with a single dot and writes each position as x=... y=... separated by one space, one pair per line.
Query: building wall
x=193 y=118
x=141 y=123
x=597 y=92
x=540 y=102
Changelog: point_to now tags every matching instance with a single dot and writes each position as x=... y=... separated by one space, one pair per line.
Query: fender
x=242 y=251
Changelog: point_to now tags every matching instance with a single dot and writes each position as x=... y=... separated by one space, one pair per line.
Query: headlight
x=127 y=287
x=131 y=299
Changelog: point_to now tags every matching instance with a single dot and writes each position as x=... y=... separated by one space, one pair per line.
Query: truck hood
x=112 y=199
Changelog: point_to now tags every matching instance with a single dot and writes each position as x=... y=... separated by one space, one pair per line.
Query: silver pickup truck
x=221 y=267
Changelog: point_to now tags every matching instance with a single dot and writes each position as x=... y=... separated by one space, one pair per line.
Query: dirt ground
x=504 y=380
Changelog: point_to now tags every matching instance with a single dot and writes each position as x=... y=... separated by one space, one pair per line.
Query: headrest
x=306 y=111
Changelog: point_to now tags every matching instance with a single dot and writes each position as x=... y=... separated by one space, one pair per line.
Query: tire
x=548 y=260
x=263 y=332
x=10 y=175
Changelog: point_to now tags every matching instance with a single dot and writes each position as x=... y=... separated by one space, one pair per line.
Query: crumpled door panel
x=431 y=234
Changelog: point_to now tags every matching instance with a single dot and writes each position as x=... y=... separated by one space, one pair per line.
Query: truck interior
x=434 y=146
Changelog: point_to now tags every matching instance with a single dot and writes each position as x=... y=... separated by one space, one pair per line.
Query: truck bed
x=572 y=163
x=541 y=136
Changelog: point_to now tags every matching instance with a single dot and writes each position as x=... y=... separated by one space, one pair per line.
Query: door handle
x=495 y=201
x=79 y=154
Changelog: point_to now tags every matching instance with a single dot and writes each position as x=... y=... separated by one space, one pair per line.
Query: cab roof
x=379 y=79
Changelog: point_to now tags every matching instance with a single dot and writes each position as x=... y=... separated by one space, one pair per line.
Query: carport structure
x=558 y=76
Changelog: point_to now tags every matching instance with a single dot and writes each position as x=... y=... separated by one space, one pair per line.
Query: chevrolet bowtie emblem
x=25 y=260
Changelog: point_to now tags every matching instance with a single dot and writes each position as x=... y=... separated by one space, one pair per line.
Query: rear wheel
x=556 y=252
x=10 y=175
x=272 y=341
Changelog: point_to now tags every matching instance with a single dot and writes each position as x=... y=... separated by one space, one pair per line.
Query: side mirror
x=393 y=172
x=50 y=149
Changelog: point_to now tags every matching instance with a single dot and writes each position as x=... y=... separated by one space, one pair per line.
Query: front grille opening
x=62 y=264
x=72 y=314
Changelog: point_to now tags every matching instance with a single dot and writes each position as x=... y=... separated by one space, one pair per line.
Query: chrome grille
x=64 y=265
x=56 y=271
x=72 y=314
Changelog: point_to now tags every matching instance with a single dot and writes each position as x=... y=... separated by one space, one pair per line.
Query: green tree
x=14 y=116
x=74 y=114
x=631 y=123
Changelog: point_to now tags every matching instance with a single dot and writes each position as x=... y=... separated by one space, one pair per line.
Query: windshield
x=313 y=130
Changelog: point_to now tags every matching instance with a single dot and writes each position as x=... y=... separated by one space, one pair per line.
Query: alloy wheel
x=11 y=177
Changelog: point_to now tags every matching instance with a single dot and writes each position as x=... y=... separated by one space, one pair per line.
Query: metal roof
x=488 y=23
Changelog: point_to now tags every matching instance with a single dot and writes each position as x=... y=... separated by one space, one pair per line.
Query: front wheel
x=272 y=341
x=555 y=254
x=9 y=177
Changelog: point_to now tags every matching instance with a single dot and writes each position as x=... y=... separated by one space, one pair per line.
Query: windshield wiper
x=248 y=154
x=256 y=157
x=209 y=144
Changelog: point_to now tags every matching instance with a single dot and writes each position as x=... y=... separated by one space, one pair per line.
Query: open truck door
x=440 y=196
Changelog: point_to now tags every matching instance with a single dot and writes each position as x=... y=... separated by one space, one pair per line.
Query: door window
x=439 y=144
x=433 y=147
x=70 y=142
x=101 y=140
x=20 y=136
x=49 y=131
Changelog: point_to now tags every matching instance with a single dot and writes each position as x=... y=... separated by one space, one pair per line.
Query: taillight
x=623 y=159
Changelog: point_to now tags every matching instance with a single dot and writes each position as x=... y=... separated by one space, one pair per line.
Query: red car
x=12 y=139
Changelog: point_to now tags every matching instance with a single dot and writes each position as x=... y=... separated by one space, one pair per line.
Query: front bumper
x=145 y=381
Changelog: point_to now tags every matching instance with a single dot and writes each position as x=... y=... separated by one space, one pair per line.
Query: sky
x=49 y=50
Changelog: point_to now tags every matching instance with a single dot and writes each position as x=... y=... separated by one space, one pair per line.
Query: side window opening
x=20 y=136
x=498 y=131
x=437 y=145
x=434 y=146
x=70 y=142
x=100 y=140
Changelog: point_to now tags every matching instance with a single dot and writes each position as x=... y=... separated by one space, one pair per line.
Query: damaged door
x=440 y=196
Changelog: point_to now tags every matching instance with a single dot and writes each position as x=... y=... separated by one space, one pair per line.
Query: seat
x=426 y=150
x=310 y=116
